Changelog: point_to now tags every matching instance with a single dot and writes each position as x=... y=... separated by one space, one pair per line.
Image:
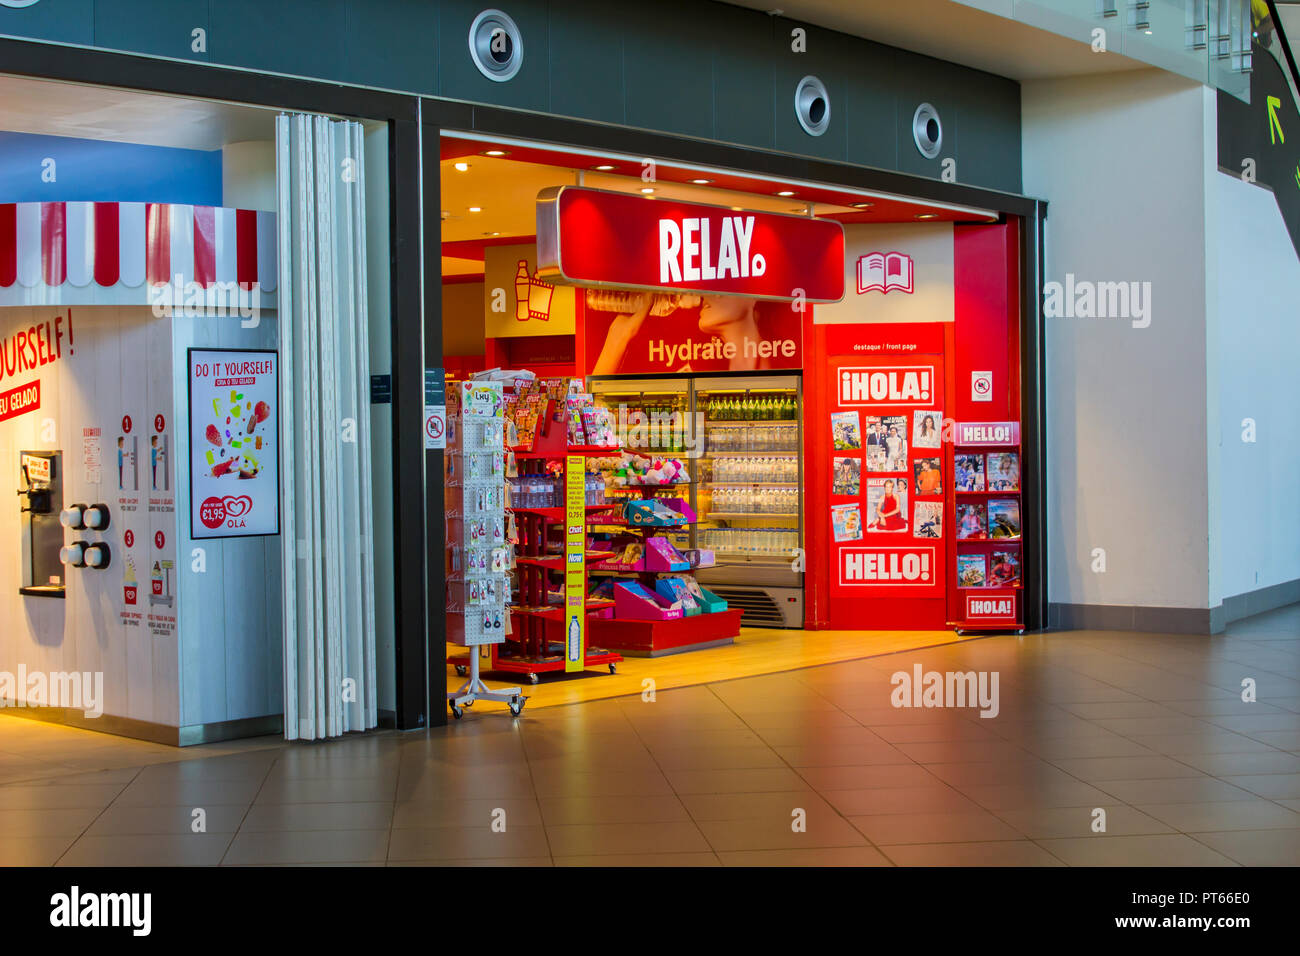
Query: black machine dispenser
x=40 y=501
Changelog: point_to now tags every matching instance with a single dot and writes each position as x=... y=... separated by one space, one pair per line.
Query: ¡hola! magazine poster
x=234 y=443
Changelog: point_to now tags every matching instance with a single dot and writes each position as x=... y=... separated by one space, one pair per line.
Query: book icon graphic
x=885 y=272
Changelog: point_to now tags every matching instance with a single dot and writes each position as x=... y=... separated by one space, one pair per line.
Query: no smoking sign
x=435 y=426
x=981 y=386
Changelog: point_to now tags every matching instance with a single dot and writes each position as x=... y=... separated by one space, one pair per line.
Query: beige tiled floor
x=809 y=767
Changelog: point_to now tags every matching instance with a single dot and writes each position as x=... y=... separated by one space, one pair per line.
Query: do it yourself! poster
x=234 y=443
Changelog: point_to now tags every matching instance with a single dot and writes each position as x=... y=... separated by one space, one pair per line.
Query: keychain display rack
x=479 y=550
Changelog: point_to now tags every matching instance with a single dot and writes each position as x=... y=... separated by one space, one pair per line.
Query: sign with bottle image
x=575 y=576
x=234 y=443
x=518 y=303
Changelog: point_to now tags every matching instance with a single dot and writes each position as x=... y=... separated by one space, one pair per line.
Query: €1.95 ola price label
x=234 y=443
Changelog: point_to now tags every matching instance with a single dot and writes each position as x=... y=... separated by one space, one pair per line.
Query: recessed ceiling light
x=862 y=205
x=786 y=192
x=735 y=209
x=491 y=233
x=647 y=190
x=461 y=167
x=446 y=214
x=701 y=182
x=495 y=152
x=475 y=208
x=604 y=168
x=926 y=215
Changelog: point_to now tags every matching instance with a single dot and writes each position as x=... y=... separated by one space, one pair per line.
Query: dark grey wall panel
x=460 y=78
x=587 y=79
x=663 y=91
x=741 y=71
x=869 y=96
x=684 y=67
x=788 y=68
x=391 y=44
x=142 y=26
x=990 y=142
x=926 y=80
x=67 y=21
x=299 y=37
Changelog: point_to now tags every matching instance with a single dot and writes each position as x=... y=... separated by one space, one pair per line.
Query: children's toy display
x=630 y=471
x=477 y=535
x=658 y=512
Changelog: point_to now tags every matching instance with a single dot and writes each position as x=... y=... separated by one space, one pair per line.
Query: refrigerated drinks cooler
x=741 y=437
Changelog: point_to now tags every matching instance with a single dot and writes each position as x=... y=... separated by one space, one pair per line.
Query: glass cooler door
x=749 y=493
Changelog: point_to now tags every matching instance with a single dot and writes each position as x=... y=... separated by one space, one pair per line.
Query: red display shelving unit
x=658 y=638
x=535 y=645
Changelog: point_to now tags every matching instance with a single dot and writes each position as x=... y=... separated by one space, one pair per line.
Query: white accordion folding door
x=327 y=535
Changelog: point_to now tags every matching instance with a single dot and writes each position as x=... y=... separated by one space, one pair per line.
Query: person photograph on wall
x=929 y=478
x=925 y=429
x=886 y=504
x=736 y=324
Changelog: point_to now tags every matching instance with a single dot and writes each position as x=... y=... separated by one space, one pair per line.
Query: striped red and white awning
x=109 y=253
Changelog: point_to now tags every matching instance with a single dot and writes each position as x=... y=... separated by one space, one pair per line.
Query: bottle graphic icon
x=575 y=639
x=532 y=296
x=522 y=284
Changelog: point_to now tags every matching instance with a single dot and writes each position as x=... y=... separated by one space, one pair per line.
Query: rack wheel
x=517 y=706
x=461 y=670
x=613 y=668
x=533 y=678
x=468 y=703
x=456 y=711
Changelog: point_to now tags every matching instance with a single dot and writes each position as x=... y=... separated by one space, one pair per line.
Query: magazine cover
x=970 y=570
x=929 y=477
x=846 y=522
x=847 y=476
x=1004 y=471
x=886 y=504
x=1004 y=569
x=972 y=522
x=886 y=442
x=845 y=431
x=927 y=429
x=927 y=519
x=1004 y=518
x=968 y=472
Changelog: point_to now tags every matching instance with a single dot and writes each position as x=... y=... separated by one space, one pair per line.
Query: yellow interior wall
x=462 y=318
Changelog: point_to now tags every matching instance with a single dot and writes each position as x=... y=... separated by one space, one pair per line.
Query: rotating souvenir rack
x=546 y=635
x=477 y=538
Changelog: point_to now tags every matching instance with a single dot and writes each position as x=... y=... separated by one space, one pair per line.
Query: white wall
x=1256 y=337
x=231 y=654
x=1123 y=161
x=116 y=363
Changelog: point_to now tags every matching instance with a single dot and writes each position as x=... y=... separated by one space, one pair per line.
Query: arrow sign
x=1274 y=124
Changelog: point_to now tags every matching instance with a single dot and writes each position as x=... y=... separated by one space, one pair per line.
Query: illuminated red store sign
x=591 y=237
